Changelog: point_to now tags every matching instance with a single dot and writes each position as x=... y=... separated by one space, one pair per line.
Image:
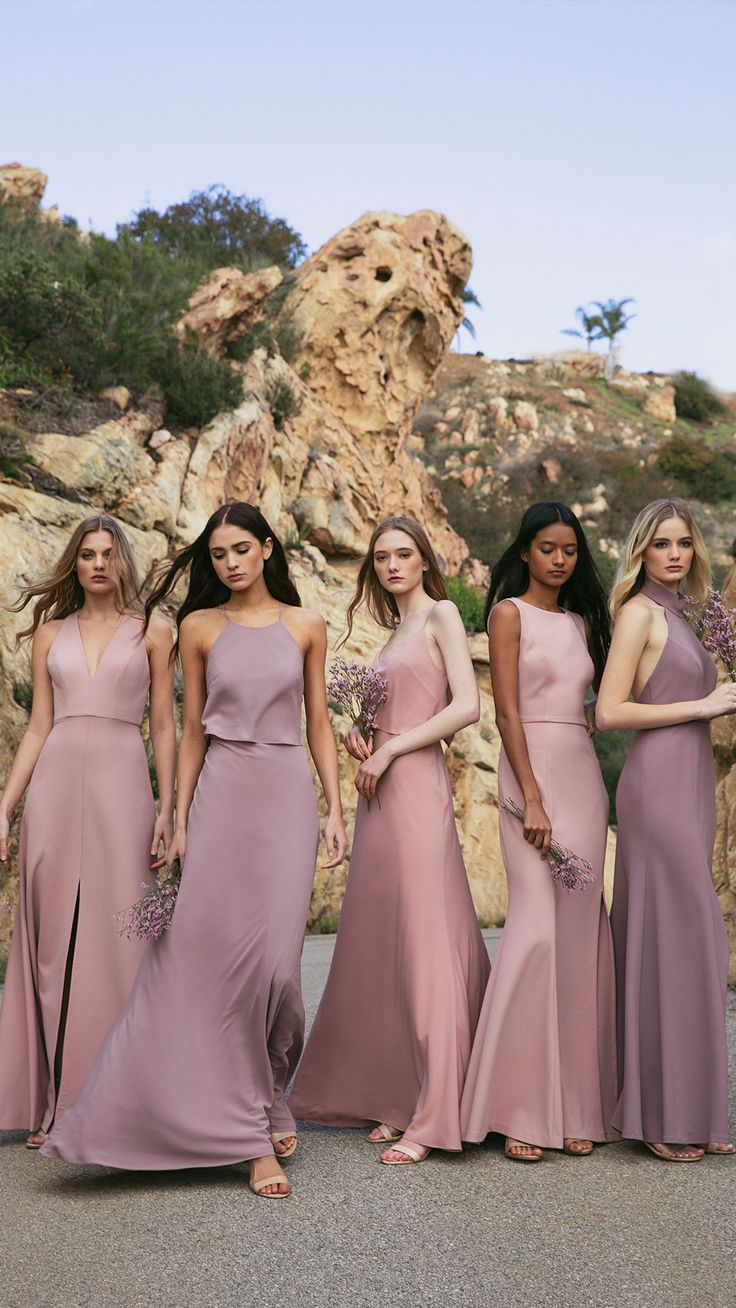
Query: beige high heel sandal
x=276 y=1136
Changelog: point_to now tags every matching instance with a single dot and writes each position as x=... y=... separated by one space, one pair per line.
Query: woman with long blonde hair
x=89 y=833
x=669 y=938
x=391 y=1041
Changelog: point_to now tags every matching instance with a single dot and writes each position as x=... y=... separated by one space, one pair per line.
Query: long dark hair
x=584 y=593
x=380 y=603
x=206 y=591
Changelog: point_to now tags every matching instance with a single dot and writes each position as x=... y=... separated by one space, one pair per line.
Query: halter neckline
x=673 y=601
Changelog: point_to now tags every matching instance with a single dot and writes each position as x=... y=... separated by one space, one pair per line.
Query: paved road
x=618 y=1230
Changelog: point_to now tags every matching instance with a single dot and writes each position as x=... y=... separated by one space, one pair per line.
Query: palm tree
x=613 y=321
x=589 y=330
x=468 y=297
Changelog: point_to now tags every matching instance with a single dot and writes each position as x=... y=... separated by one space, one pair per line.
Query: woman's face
x=398 y=562
x=669 y=555
x=552 y=555
x=237 y=556
x=95 y=570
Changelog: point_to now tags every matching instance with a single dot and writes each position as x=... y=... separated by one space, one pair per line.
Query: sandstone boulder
x=660 y=404
x=226 y=305
x=24 y=186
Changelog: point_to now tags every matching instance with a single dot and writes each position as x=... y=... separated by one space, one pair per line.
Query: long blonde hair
x=630 y=574
x=380 y=603
x=59 y=593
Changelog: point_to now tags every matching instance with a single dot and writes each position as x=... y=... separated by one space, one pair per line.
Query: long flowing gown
x=193 y=1072
x=668 y=933
x=543 y=1066
x=84 y=854
x=392 y=1036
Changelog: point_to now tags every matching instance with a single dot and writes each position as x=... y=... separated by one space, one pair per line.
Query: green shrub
x=23 y=694
x=470 y=601
x=611 y=748
x=695 y=399
x=196 y=386
x=698 y=469
x=14 y=457
x=282 y=401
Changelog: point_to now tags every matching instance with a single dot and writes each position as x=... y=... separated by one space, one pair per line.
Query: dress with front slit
x=193 y=1072
x=85 y=843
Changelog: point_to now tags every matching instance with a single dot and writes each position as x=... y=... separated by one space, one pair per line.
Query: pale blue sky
x=586 y=147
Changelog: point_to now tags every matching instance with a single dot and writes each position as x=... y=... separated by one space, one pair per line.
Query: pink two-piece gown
x=393 y=1033
x=543 y=1065
x=84 y=855
x=193 y=1072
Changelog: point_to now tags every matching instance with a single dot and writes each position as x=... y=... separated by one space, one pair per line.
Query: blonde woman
x=89 y=832
x=391 y=1041
x=669 y=938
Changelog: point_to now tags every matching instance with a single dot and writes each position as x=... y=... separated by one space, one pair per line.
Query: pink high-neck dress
x=85 y=844
x=392 y=1036
x=193 y=1072
x=543 y=1065
x=668 y=932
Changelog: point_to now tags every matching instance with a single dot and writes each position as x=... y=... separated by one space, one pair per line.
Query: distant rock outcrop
x=25 y=186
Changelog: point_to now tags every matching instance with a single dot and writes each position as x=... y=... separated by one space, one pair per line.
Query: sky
x=585 y=147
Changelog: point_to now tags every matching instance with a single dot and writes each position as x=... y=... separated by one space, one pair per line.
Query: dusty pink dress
x=193 y=1072
x=392 y=1036
x=84 y=854
x=543 y=1065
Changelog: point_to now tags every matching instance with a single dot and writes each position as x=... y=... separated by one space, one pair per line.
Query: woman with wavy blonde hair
x=89 y=832
x=669 y=938
x=392 y=1037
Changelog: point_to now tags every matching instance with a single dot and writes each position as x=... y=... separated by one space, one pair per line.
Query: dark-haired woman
x=392 y=1037
x=543 y=1071
x=89 y=833
x=194 y=1073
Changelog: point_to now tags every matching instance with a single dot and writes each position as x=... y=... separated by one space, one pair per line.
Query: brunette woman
x=392 y=1037
x=89 y=830
x=542 y=1071
x=194 y=1072
x=669 y=937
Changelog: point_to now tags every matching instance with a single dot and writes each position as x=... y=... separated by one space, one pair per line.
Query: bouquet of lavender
x=713 y=623
x=570 y=870
x=152 y=914
x=357 y=691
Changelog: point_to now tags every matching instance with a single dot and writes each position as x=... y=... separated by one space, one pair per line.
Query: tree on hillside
x=468 y=297
x=215 y=228
x=589 y=329
x=613 y=321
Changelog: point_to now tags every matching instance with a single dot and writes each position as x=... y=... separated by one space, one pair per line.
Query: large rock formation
x=24 y=186
x=226 y=305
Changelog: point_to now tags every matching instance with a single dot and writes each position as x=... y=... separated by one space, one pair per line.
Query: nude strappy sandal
x=412 y=1156
x=284 y=1135
x=387 y=1135
x=258 y=1186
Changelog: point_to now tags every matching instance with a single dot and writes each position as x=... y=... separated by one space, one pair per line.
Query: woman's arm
x=445 y=625
x=35 y=734
x=162 y=731
x=615 y=712
x=193 y=745
x=504 y=637
x=321 y=739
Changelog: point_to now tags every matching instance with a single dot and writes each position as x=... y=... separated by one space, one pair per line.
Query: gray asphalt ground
x=616 y=1230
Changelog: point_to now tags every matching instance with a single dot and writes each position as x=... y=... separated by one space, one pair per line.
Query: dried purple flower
x=713 y=623
x=357 y=691
x=567 y=868
x=152 y=914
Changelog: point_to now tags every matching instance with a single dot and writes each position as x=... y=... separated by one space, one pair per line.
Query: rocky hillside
x=351 y=409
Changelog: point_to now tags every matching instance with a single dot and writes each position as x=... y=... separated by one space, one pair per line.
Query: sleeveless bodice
x=417 y=687
x=685 y=669
x=119 y=687
x=255 y=684
x=555 y=668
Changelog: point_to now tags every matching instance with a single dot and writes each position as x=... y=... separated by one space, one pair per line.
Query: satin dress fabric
x=193 y=1073
x=543 y=1066
x=392 y=1036
x=85 y=844
x=668 y=932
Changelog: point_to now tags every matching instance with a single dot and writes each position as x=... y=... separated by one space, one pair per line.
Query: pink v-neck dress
x=393 y=1033
x=194 y=1071
x=84 y=855
x=543 y=1065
